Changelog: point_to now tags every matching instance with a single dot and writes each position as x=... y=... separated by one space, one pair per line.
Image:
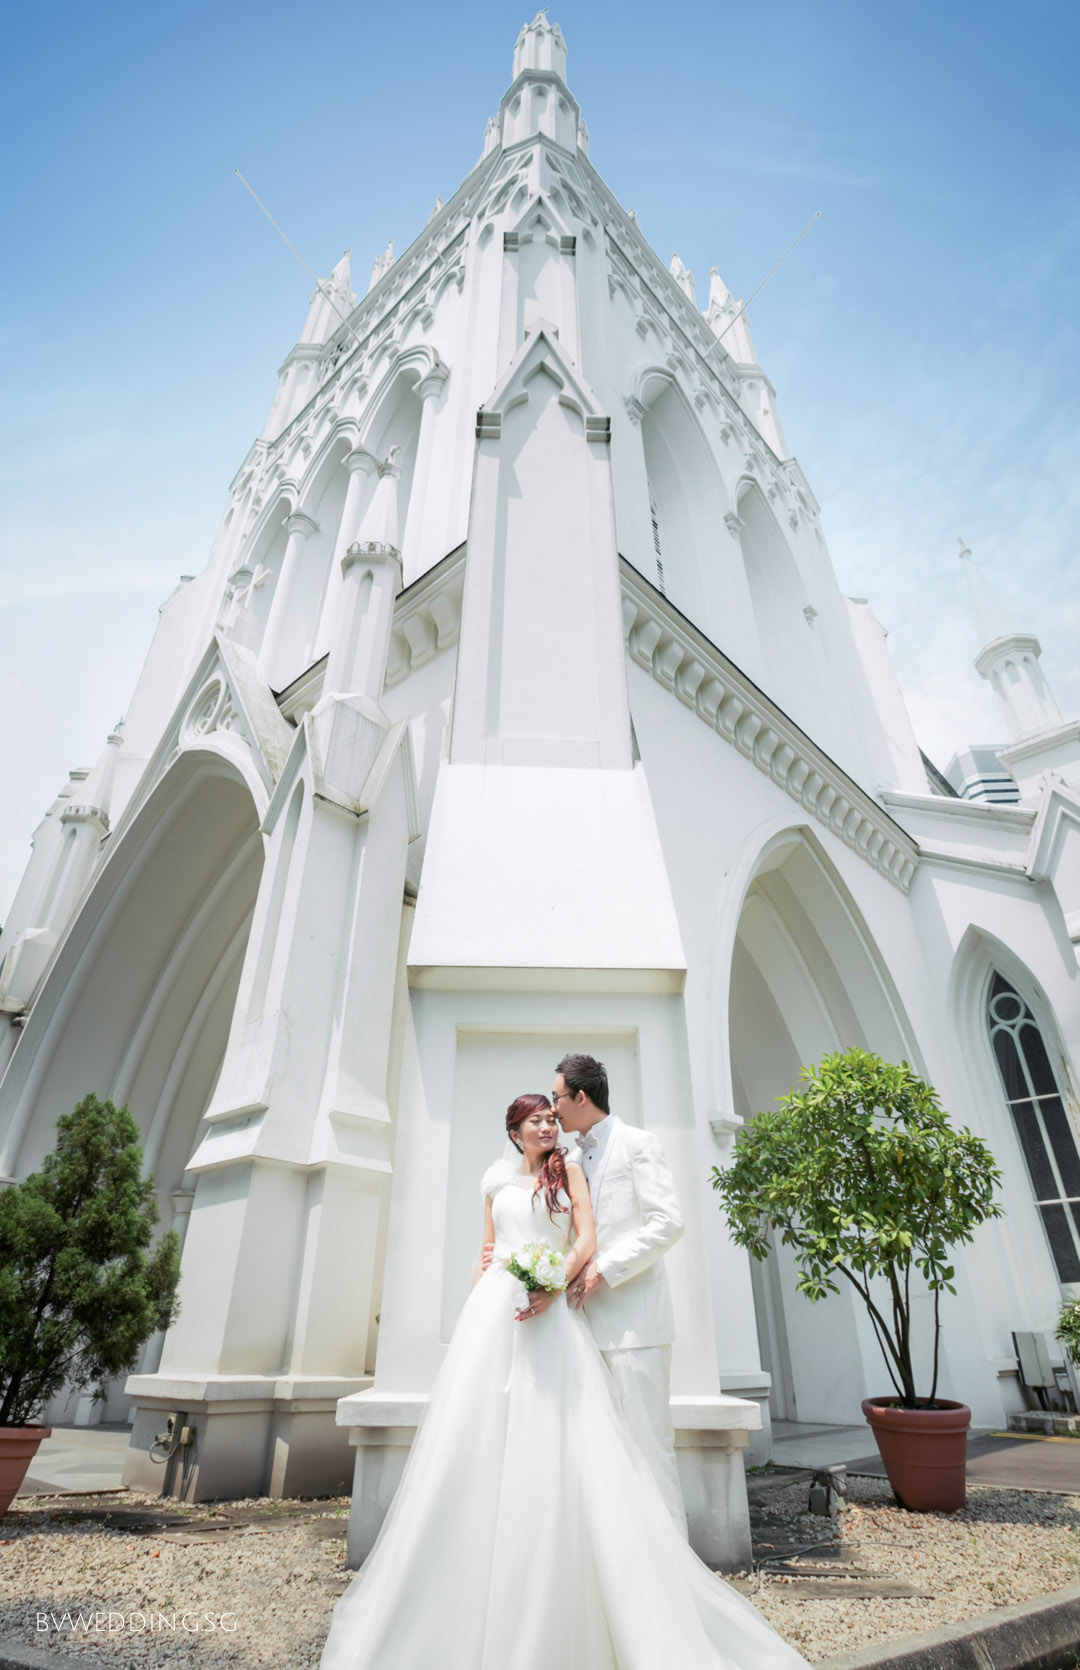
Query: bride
x=527 y=1532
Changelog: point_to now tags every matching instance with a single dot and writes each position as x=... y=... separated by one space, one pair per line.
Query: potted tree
x=860 y=1171
x=80 y=1289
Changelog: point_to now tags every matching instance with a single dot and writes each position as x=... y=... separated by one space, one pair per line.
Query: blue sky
x=922 y=339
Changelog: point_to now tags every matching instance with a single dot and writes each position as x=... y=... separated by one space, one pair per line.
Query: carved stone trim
x=427 y=618
x=212 y=709
x=86 y=814
x=301 y=695
x=372 y=551
x=701 y=676
x=300 y=522
x=433 y=381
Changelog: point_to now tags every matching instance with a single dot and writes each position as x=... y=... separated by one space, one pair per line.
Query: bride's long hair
x=552 y=1175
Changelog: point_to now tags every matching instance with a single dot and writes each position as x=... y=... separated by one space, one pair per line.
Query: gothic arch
x=321 y=498
x=979 y=956
x=259 y=559
x=780 y=605
x=804 y=978
x=877 y=1020
x=686 y=493
x=280 y=502
x=393 y=419
x=138 y=1003
x=453 y=275
x=340 y=438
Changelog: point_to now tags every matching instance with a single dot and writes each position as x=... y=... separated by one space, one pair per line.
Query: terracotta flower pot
x=18 y=1447
x=924 y=1451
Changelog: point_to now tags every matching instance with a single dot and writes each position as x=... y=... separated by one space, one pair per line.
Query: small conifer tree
x=80 y=1290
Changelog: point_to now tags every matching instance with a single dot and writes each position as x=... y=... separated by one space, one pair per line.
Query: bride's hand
x=536 y=1303
x=584 y=1285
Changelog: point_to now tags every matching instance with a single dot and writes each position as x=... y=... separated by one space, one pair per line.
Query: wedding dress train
x=527 y=1532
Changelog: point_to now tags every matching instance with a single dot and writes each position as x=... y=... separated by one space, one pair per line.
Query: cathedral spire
x=537 y=100
x=540 y=46
x=1009 y=659
x=332 y=301
x=992 y=619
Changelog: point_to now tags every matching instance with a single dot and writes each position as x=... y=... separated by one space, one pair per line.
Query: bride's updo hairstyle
x=552 y=1176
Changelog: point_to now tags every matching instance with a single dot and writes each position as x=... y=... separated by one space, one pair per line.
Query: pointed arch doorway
x=139 y=1004
x=806 y=980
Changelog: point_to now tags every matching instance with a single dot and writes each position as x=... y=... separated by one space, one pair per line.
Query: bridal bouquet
x=539 y=1267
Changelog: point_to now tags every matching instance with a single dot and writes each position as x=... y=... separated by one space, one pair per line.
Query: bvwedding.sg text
x=135 y=1623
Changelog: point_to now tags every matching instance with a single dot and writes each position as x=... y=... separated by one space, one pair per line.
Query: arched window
x=1042 y=1123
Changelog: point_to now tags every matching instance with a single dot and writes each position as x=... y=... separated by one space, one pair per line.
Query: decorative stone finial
x=1009 y=661
x=332 y=302
x=683 y=277
x=538 y=100
x=540 y=46
x=381 y=264
x=992 y=619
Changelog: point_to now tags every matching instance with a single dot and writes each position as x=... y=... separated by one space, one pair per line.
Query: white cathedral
x=518 y=710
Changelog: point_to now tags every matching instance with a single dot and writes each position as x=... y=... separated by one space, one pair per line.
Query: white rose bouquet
x=539 y=1267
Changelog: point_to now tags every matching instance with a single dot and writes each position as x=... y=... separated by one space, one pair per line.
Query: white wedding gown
x=527 y=1532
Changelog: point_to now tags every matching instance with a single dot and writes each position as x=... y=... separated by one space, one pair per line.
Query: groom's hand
x=535 y=1304
x=584 y=1285
x=487 y=1253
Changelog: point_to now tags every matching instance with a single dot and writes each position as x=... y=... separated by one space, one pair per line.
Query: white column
x=299 y=528
x=371 y=581
x=361 y=466
x=425 y=497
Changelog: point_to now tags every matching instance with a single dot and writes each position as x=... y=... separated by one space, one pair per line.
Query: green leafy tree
x=860 y=1171
x=1068 y=1330
x=80 y=1290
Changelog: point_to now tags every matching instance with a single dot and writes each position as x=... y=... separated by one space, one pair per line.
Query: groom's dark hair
x=584 y=1072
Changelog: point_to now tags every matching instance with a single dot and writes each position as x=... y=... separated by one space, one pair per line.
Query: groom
x=624 y=1290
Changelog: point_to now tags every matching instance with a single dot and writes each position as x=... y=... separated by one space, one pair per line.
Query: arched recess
x=783 y=617
x=806 y=979
x=323 y=500
x=139 y=1003
x=255 y=572
x=394 y=418
x=686 y=499
x=1031 y=1279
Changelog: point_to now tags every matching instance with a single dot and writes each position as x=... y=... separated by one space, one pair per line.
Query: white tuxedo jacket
x=637 y=1220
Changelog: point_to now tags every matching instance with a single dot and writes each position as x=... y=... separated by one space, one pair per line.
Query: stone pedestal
x=710 y=1436
x=250 y=1435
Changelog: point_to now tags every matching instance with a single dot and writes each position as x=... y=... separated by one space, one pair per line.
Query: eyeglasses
x=557 y=1097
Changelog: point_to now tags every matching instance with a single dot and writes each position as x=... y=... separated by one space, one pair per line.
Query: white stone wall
x=516 y=709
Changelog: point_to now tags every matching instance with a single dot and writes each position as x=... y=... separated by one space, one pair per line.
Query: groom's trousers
x=642 y=1376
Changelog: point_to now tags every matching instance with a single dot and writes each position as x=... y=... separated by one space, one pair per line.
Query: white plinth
x=710 y=1435
x=251 y=1435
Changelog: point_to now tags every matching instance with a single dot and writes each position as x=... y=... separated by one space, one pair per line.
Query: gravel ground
x=260 y=1594
x=1007 y=1546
